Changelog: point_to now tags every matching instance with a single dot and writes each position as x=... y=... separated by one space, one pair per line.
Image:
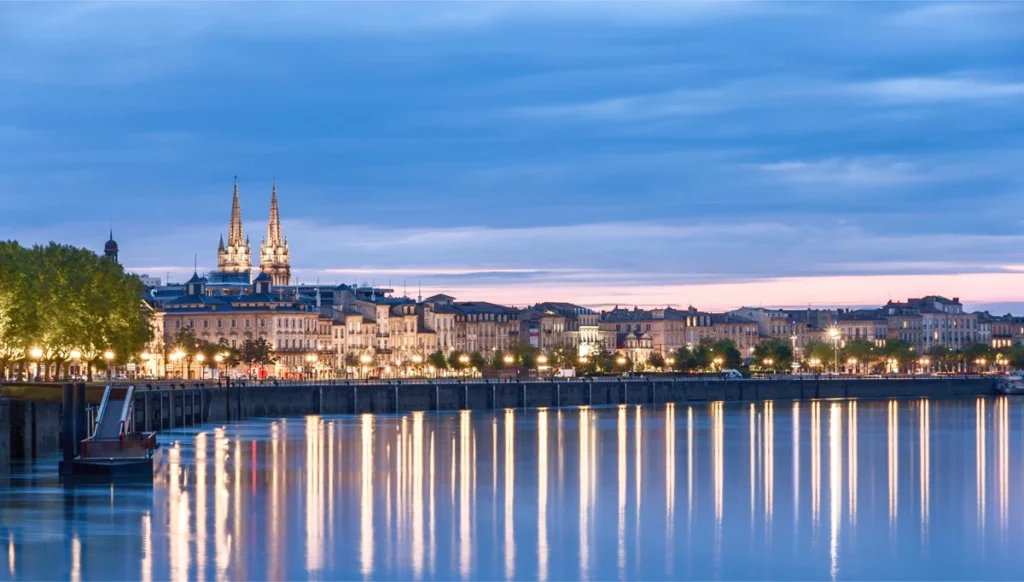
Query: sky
x=711 y=154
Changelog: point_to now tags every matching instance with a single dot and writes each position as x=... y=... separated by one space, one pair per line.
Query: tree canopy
x=62 y=299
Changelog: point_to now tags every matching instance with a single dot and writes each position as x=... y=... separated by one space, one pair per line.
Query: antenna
x=195 y=263
x=419 y=293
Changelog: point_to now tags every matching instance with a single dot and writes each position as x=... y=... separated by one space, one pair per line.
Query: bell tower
x=274 y=259
x=235 y=257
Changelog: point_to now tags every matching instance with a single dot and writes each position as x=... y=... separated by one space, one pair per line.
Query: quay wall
x=165 y=409
x=30 y=430
x=5 y=436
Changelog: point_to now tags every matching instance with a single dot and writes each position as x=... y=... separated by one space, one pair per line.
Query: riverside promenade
x=32 y=430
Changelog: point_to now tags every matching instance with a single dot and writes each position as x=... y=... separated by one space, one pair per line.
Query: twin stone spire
x=235 y=258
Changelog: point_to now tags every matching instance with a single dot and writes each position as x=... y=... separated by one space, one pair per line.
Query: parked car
x=731 y=375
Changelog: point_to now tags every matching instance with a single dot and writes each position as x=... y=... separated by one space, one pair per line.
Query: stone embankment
x=30 y=430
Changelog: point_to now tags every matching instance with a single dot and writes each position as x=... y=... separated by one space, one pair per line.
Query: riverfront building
x=353 y=330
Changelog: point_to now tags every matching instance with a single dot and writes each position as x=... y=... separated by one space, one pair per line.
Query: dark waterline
x=811 y=490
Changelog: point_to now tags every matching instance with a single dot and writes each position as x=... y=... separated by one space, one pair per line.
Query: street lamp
x=768 y=362
x=178 y=356
x=365 y=359
x=109 y=357
x=311 y=359
x=76 y=355
x=509 y=359
x=36 y=354
x=218 y=358
x=852 y=362
x=718 y=361
x=670 y=362
x=834 y=334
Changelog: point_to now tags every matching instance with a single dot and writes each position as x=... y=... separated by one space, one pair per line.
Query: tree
x=477 y=361
x=687 y=360
x=600 y=361
x=186 y=345
x=562 y=357
x=437 y=360
x=724 y=350
x=978 y=356
x=819 y=355
x=57 y=300
x=232 y=357
x=257 y=352
x=861 y=350
x=455 y=361
x=524 y=354
x=939 y=355
x=622 y=363
x=773 y=354
x=899 y=353
x=498 y=361
x=656 y=360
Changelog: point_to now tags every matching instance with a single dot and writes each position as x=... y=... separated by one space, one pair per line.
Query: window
x=220 y=324
x=206 y=324
x=177 y=325
x=247 y=323
x=233 y=323
x=263 y=323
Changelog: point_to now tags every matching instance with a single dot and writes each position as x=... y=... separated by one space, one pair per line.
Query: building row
x=346 y=329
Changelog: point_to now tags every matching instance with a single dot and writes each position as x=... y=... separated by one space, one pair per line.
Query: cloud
x=640 y=107
x=925 y=90
x=848 y=172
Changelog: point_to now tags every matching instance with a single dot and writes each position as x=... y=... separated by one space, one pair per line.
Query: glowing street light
x=833 y=332
x=509 y=359
x=542 y=359
x=417 y=359
x=670 y=361
x=621 y=361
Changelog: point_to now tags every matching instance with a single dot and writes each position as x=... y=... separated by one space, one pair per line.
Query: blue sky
x=717 y=153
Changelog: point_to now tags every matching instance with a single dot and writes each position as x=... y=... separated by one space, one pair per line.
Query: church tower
x=274 y=260
x=110 y=249
x=235 y=257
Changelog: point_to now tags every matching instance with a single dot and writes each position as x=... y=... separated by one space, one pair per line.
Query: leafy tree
x=900 y=352
x=939 y=355
x=974 y=353
x=60 y=299
x=778 y=351
x=232 y=356
x=455 y=361
x=1016 y=356
x=524 y=354
x=477 y=360
x=656 y=360
x=622 y=363
x=725 y=349
x=498 y=361
x=861 y=350
x=600 y=361
x=562 y=357
x=437 y=360
x=687 y=360
x=257 y=352
x=821 y=352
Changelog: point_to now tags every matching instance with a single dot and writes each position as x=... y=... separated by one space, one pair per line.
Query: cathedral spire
x=274 y=259
x=234 y=257
x=274 y=223
x=235 y=234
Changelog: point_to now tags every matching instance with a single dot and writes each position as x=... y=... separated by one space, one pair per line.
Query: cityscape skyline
x=470 y=148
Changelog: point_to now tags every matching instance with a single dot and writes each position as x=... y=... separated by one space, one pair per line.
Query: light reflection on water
x=829 y=489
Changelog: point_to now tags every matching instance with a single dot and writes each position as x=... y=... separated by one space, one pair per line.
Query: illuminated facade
x=274 y=259
x=234 y=260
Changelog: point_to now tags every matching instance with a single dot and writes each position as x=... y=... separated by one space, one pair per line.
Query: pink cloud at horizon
x=825 y=291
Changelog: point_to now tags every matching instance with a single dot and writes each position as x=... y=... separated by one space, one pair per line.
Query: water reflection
x=400 y=497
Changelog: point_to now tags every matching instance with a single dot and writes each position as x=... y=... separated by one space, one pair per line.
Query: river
x=901 y=489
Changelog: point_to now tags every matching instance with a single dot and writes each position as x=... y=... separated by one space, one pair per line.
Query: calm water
x=848 y=490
